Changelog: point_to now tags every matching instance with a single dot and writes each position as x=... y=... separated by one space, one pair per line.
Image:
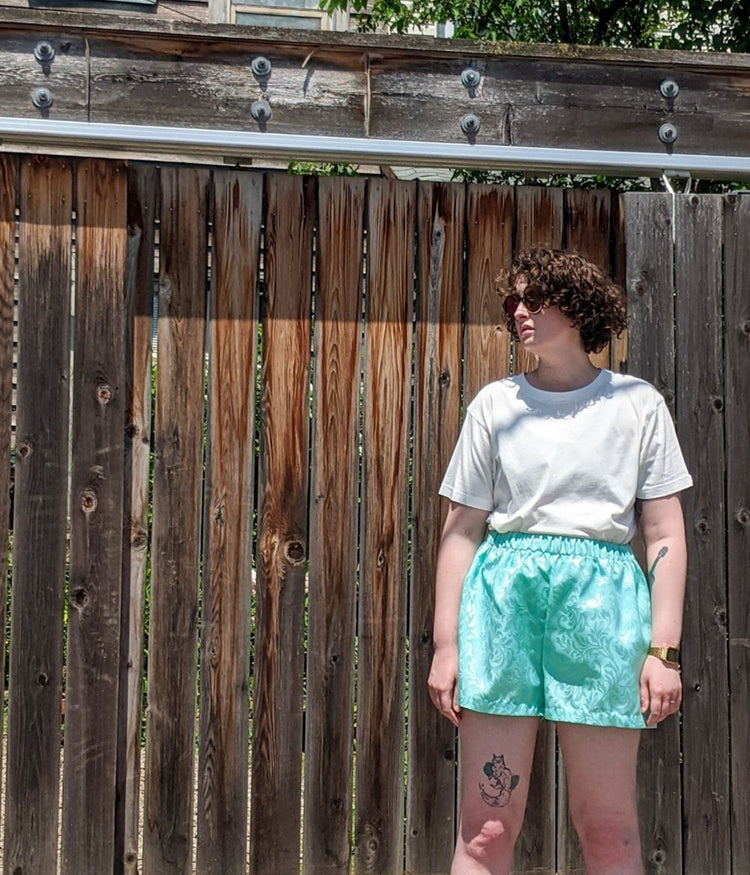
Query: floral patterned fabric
x=555 y=627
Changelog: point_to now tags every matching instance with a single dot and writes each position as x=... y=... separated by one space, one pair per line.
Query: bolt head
x=470 y=77
x=667 y=133
x=42 y=98
x=261 y=110
x=44 y=51
x=261 y=67
x=470 y=123
x=669 y=88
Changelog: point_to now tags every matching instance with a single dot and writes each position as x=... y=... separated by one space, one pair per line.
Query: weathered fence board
x=282 y=527
x=700 y=423
x=383 y=528
x=178 y=427
x=39 y=523
x=650 y=290
x=539 y=222
x=333 y=508
x=8 y=194
x=228 y=522
x=737 y=429
x=93 y=641
x=431 y=738
x=138 y=328
x=489 y=250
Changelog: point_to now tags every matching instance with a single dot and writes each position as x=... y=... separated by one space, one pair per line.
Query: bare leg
x=496 y=755
x=600 y=767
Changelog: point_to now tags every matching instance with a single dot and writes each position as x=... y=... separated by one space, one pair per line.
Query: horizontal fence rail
x=228 y=406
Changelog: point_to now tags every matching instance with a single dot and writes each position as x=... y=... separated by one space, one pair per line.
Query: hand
x=442 y=683
x=661 y=690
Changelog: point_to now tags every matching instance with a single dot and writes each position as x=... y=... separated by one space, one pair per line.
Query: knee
x=488 y=839
x=608 y=840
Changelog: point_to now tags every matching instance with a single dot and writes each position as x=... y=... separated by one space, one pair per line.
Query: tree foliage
x=717 y=25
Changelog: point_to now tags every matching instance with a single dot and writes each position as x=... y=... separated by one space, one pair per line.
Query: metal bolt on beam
x=470 y=123
x=42 y=98
x=669 y=88
x=667 y=133
x=261 y=67
x=470 y=77
x=44 y=51
x=261 y=110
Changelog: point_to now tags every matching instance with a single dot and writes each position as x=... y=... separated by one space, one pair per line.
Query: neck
x=564 y=375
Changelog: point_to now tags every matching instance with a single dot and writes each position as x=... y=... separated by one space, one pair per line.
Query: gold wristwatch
x=668 y=655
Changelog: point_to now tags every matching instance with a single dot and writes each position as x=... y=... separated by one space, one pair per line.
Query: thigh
x=496 y=754
x=600 y=769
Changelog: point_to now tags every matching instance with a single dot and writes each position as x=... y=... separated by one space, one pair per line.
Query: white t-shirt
x=566 y=463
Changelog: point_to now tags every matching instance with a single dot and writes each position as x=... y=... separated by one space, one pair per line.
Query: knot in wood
x=131 y=431
x=103 y=393
x=448 y=754
x=746 y=327
x=659 y=857
x=742 y=516
x=381 y=559
x=79 y=597
x=24 y=450
x=42 y=679
x=639 y=288
x=717 y=404
x=89 y=501
x=668 y=397
x=138 y=539
x=702 y=526
x=444 y=378
x=295 y=552
x=720 y=616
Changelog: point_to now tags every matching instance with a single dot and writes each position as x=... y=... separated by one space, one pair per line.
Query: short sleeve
x=662 y=470
x=469 y=477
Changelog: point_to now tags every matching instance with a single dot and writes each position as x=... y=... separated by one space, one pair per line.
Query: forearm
x=462 y=534
x=666 y=556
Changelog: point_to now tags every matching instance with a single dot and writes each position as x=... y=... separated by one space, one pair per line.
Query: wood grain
x=9 y=168
x=539 y=222
x=137 y=335
x=379 y=839
x=93 y=643
x=178 y=475
x=282 y=527
x=489 y=236
x=39 y=531
x=430 y=790
x=700 y=405
x=333 y=509
x=228 y=524
x=650 y=288
x=737 y=428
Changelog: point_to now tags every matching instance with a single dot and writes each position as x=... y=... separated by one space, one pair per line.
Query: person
x=541 y=609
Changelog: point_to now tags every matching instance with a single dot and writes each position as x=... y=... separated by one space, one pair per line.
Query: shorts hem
x=612 y=721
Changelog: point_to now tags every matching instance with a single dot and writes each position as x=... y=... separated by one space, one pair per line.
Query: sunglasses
x=532 y=299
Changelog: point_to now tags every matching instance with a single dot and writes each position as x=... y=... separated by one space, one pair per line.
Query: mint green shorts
x=555 y=627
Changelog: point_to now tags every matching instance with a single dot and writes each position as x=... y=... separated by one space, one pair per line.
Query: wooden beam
x=113 y=68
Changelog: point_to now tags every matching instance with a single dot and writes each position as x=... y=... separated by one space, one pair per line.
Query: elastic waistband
x=565 y=545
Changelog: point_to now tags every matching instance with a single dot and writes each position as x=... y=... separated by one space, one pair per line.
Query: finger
x=645 y=698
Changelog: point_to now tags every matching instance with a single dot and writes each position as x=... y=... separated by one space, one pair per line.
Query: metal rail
x=71 y=137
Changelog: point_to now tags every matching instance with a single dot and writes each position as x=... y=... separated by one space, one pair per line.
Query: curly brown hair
x=594 y=304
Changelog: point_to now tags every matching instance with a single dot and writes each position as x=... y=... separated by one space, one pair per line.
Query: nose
x=521 y=310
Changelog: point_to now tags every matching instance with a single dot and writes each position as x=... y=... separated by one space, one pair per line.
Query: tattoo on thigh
x=660 y=555
x=502 y=782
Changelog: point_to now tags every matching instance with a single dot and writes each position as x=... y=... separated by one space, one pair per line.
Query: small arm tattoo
x=660 y=555
x=502 y=782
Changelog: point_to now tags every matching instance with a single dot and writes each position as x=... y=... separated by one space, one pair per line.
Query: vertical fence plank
x=282 y=536
x=737 y=423
x=228 y=523
x=41 y=487
x=137 y=335
x=93 y=652
x=382 y=602
x=539 y=222
x=588 y=231
x=651 y=356
x=489 y=242
x=431 y=750
x=333 y=511
x=167 y=834
x=700 y=405
x=8 y=193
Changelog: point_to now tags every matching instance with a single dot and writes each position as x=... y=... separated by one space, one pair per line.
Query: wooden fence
x=242 y=509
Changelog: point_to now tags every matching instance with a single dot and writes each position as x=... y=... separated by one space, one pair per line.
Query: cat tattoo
x=501 y=782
